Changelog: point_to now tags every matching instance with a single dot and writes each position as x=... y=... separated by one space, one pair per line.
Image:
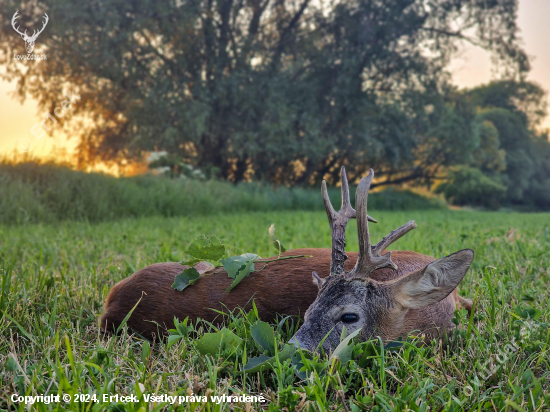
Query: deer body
x=284 y=287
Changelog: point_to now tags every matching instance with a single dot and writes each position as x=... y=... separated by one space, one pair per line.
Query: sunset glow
x=470 y=68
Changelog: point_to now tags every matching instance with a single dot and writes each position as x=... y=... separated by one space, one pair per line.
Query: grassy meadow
x=54 y=279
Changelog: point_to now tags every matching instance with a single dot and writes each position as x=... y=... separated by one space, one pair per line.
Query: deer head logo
x=29 y=40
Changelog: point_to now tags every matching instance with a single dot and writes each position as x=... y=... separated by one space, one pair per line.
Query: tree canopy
x=279 y=90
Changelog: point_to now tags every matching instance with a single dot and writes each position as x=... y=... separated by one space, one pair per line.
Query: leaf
x=185 y=278
x=172 y=339
x=279 y=248
x=11 y=364
x=244 y=272
x=206 y=248
x=145 y=352
x=212 y=343
x=251 y=256
x=531 y=313
x=234 y=264
x=258 y=363
x=395 y=344
x=299 y=364
x=263 y=335
x=263 y=362
x=181 y=327
x=343 y=351
x=190 y=262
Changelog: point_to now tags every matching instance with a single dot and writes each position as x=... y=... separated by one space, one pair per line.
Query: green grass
x=31 y=192
x=54 y=279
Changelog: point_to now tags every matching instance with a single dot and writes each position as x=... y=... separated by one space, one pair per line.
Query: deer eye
x=349 y=318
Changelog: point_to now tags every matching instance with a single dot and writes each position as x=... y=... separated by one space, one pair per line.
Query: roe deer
x=283 y=287
x=386 y=295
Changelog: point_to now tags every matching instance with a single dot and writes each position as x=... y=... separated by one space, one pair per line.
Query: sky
x=470 y=68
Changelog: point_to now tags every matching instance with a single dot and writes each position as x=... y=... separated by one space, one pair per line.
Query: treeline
x=286 y=92
x=31 y=192
x=509 y=160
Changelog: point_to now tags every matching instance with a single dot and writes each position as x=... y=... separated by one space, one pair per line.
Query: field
x=54 y=279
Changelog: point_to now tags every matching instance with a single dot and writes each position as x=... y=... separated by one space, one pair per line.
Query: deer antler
x=44 y=24
x=13 y=19
x=370 y=257
x=338 y=222
x=35 y=32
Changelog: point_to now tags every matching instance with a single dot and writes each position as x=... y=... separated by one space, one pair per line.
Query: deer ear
x=318 y=280
x=433 y=283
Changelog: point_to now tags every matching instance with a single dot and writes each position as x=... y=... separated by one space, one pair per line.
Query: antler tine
x=393 y=236
x=370 y=257
x=13 y=20
x=45 y=23
x=338 y=221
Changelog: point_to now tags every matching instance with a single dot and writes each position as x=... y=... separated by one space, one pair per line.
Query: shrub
x=469 y=186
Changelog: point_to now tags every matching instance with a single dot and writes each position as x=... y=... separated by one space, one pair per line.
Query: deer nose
x=294 y=341
x=300 y=344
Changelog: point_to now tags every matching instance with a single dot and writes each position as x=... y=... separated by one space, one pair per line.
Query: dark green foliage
x=525 y=99
x=285 y=91
x=32 y=192
x=509 y=153
x=469 y=186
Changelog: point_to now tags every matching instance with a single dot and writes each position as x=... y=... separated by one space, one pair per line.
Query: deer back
x=282 y=287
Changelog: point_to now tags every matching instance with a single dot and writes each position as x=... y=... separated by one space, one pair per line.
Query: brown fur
x=283 y=287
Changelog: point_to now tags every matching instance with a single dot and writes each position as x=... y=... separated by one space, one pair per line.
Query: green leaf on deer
x=279 y=248
x=191 y=262
x=242 y=273
x=213 y=343
x=263 y=335
x=206 y=248
x=234 y=264
x=185 y=278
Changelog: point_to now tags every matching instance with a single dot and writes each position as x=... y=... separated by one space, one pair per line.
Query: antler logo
x=29 y=40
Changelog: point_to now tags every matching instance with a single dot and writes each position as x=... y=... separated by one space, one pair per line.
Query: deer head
x=29 y=40
x=353 y=299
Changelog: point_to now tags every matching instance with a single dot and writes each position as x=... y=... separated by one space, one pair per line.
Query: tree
x=283 y=90
x=511 y=153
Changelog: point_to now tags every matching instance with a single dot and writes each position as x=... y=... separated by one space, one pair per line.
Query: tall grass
x=32 y=192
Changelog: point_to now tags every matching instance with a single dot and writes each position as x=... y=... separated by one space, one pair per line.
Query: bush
x=469 y=186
